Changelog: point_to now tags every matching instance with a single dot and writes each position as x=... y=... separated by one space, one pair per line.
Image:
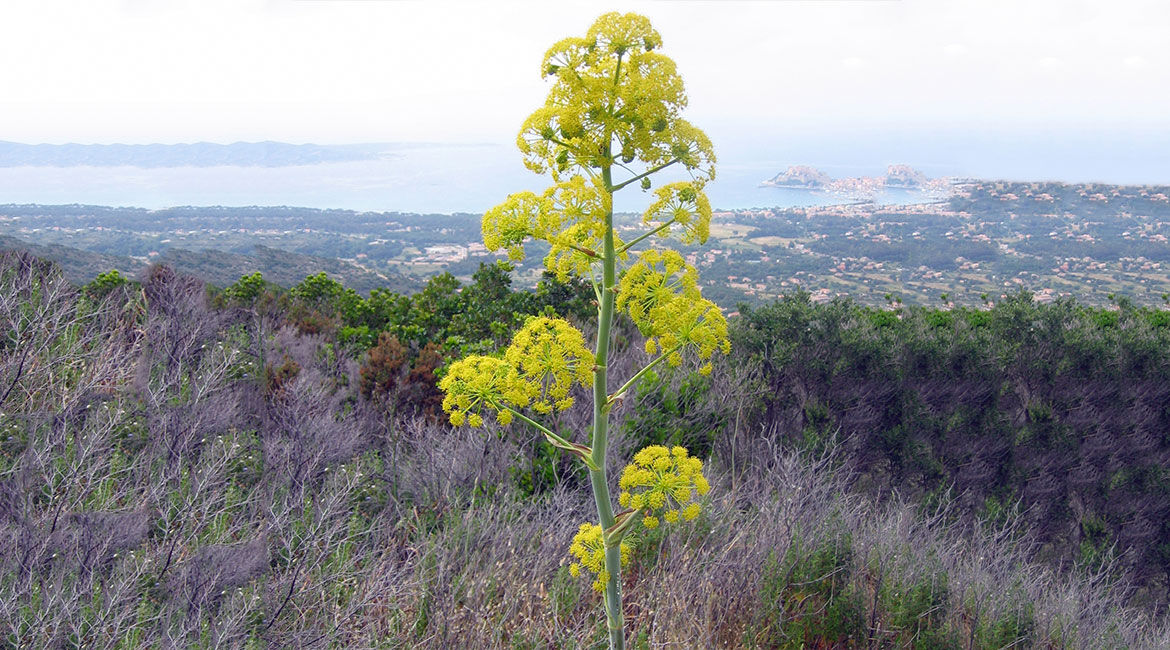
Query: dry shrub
x=492 y=573
x=190 y=507
x=382 y=372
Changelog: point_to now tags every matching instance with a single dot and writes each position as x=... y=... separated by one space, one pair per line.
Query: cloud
x=954 y=50
x=350 y=71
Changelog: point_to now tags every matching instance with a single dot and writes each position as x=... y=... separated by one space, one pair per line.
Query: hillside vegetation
x=989 y=239
x=251 y=467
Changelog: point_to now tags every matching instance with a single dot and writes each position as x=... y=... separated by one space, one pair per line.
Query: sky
x=338 y=71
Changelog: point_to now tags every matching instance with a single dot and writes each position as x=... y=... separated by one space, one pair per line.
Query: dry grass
x=178 y=499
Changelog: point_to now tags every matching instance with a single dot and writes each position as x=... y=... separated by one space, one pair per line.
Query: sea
x=472 y=177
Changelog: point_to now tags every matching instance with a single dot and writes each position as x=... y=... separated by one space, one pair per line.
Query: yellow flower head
x=684 y=204
x=476 y=382
x=613 y=97
x=657 y=279
x=550 y=356
x=508 y=224
x=662 y=480
x=588 y=549
x=575 y=224
x=661 y=294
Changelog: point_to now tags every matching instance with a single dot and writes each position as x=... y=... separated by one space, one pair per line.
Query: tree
x=611 y=120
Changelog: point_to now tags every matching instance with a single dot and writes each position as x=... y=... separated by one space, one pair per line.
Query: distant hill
x=281 y=267
x=800 y=176
x=198 y=154
x=905 y=176
x=80 y=266
x=219 y=268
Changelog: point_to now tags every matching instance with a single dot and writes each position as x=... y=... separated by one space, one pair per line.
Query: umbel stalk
x=613 y=593
x=615 y=102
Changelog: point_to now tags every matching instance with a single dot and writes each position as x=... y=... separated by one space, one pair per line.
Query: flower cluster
x=546 y=357
x=476 y=382
x=613 y=66
x=663 y=481
x=570 y=216
x=580 y=210
x=661 y=294
x=508 y=224
x=684 y=204
x=697 y=324
x=549 y=356
x=588 y=548
x=656 y=279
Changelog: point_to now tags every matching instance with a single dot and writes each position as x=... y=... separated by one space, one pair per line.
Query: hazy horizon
x=1045 y=90
x=338 y=72
x=473 y=176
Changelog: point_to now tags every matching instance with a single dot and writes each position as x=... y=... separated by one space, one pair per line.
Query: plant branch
x=652 y=170
x=645 y=236
x=616 y=533
x=596 y=287
x=634 y=380
x=581 y=451
x=581 y=249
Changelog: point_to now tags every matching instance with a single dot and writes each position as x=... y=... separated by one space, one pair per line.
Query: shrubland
x=188 y=467
x=1058 y=410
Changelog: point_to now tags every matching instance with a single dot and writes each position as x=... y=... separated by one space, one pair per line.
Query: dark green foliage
x=443 y=320
x=1012 y=628
x=808 y=598
x=917 y=613
x=179 y=471
x=247 y=289
x=676 y=408
x=104 y=283
x=1023 y=401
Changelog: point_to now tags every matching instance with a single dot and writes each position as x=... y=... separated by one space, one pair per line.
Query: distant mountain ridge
x=197 y=154
x=898 y=177
x=806 y=177
x=800 y=176
x=220 y=268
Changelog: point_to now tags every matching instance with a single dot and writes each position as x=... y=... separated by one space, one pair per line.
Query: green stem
x=581 y=451
x=652 y=170
x=638 y=375
x=593 y=283
x=581 y=249
x=625 y=521
x=641 y=238
x=597 y=476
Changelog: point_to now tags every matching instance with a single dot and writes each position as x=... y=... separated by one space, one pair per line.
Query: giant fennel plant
x=611 y=122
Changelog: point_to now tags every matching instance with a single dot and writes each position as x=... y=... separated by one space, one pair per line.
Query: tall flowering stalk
x=611 y=121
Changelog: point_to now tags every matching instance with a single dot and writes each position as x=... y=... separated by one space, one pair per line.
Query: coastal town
x=960 y=241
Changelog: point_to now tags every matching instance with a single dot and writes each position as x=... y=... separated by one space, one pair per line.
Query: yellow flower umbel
x=683 y=204
x=550 y=356
x=478 y=381
x=639 y=114
x=661 y=294
x=508 y=224
x=612 y=121
x=588 y=548
x=663 y=481
x=570 y=216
